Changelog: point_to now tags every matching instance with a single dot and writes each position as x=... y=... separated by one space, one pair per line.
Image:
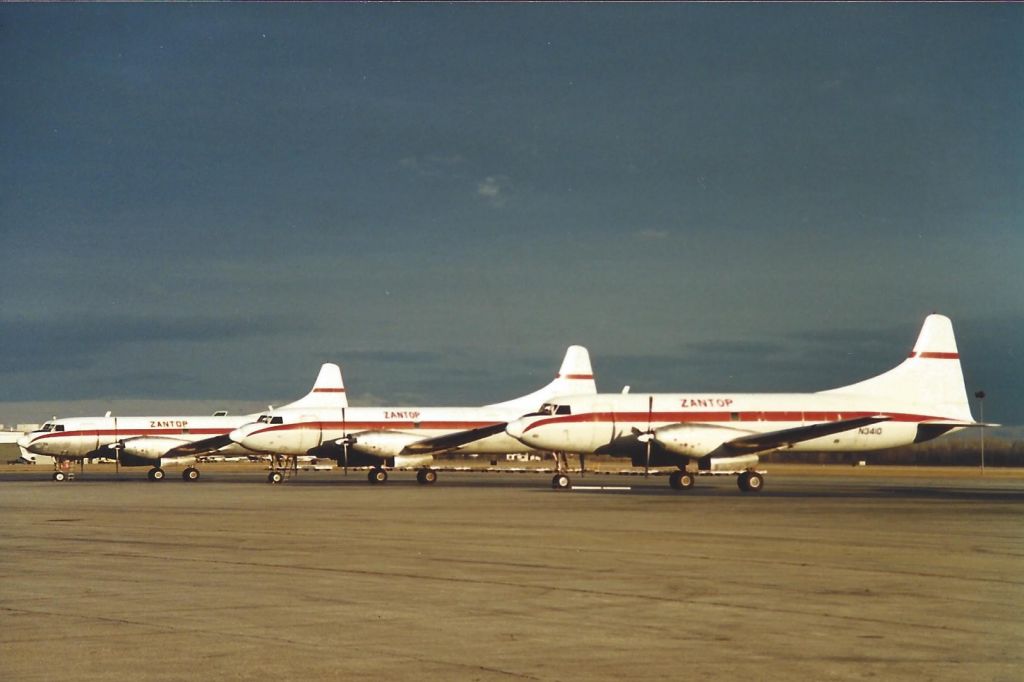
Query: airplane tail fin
x=931 y=379
x=575 y=377
x=327 y=391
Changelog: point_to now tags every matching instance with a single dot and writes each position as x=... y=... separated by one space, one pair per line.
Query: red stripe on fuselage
x=352 y=427
x=935 y=355
x=741 y=418
x=134 y=433
x=575 y=376
x=328 y=390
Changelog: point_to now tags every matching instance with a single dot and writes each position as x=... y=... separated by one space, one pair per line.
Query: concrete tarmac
x=492 y=577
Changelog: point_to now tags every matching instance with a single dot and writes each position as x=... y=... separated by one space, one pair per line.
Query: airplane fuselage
x=78 y=438
x=695 y=424
x=381 y=431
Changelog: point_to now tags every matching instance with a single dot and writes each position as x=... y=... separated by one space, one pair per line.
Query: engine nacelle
x=692 y=440
x=382 y=443
x=146 y=450
x=740 y=463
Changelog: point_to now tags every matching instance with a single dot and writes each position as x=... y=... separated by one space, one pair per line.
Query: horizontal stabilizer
x=758 y=442
x=952 y=423
x=452 y=440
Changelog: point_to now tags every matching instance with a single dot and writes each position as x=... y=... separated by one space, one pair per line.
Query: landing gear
x=62 y=469
x=282 y=467
x=681 y=480
x=190 y=474
x=425 y=477
x=561 y=482
x=156 y=474
x=750 y=481
x=378 y=475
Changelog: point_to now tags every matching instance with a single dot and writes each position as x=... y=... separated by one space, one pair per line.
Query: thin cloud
x=494 y=189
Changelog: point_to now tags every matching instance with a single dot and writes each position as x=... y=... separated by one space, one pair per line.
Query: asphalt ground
x=831 y=573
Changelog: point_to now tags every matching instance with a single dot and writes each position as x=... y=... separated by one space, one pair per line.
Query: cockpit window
x=46 y=428
x=268 y=419
x=549 y=408
x=58 y=427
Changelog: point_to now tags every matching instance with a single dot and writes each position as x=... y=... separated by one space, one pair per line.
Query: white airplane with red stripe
x=922 y=398
x=385 y=437
x=159 y=441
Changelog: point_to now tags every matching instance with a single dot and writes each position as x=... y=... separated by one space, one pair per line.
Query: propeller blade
x=583 y=464
x=649 y=434
x=344 y=434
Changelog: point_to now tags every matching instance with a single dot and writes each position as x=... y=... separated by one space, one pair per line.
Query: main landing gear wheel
x=377 y=475
x=750 y=482
x=156 y=474
x=561 y=482
x=275 y=477
x=190 y=474
x=426 y=476
x=681 y=480
x=59 y=476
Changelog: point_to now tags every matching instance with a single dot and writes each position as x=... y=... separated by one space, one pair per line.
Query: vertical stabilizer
x=575 y=377
x=328 y=390
x=931 y=379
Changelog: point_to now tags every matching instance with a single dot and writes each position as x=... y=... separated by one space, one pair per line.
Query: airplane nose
x=516 y=428
x=24 y=441
x=239 y=435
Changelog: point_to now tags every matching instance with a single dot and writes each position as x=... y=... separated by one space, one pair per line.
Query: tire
x=59 y=476
x=681 y=480
x=274 y=477
x=755 y=482
x=426 y=476
x=190 y=474
x=561 y=482
x=156 y=474
x=378 y=476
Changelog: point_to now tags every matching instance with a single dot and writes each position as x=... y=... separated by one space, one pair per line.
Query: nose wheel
x=561 y=482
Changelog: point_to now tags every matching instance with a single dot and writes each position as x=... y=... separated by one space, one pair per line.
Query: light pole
x=980 y=395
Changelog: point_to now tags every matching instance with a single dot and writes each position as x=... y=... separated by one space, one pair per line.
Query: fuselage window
x=58 y=427
x=277 y=420
x=563 y=409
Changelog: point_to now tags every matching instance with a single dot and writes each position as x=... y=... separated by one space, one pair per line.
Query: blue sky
x=206 y=201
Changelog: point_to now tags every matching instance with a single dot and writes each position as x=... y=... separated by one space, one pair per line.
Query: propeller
x=117 y=446
x=583 y=464
x=647 y=436
x=344 y=438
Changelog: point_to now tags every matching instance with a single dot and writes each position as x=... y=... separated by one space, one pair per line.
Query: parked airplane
x=922 y=398
x=381 y=437
x=158 y=441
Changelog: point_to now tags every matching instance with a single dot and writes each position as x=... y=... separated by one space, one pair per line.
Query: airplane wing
x=452 y=440
x=200 y=447
x=757 y=442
